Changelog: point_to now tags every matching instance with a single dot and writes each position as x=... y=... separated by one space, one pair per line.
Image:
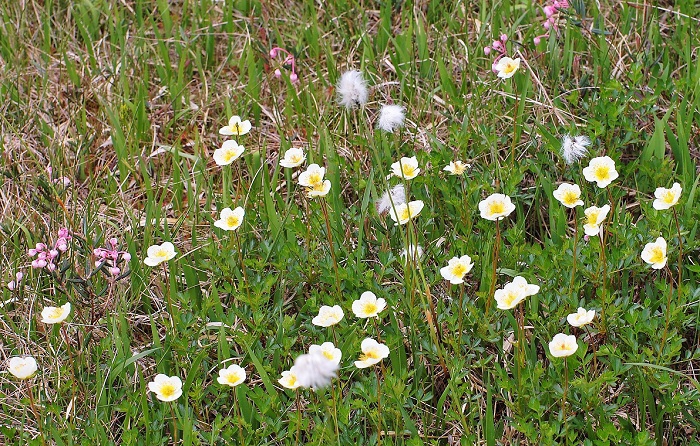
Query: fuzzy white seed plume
x=390 y=118
x=573 y=149
x=394 y=196
x=352 y=90
x=314 y=370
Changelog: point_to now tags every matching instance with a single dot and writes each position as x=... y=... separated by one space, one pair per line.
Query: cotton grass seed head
x=391 y=118
x=314 y=370
x=352 y=90
x=573 y=149
x=393 y=197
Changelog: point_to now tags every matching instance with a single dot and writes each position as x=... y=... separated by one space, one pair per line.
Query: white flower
x=328 y=316
x=456 y=269
x=312 y=176
x=506 y=67
x=352 y=89
x=159 y=253
x=594 y=217
x=655 y=253
x=456 y=167
x=496 y=206
x=393 y=197
x=230 y=220
x=232 y=375
x=569 y=195
x=563 y=345
x=328 y=350
x=293 y=157
x=289 y=379
x=236 y=127
x=54 y=315
x=573 y=149
x=368 y=305
x=508 y=297
x=601 y=170
x=581 y=317
x=415 y=252
x=314 y=370
x=319 y=190
x=402 y=213
x=406 y=168
x=520 y=284
x=390 y=118
x=22 y=367
x=166 y=388
x=665 y=198
x=372 y=353
x=228 y=153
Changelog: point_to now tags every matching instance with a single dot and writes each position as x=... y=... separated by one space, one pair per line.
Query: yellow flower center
x=668 y=197
x=369 y=355
x=291 y=380
x=315 y=178
x=408 y=171
x=232 y=221
x=593 y=218
x=405 y=214
x=459 y=270
x=328 y=354
x=167 y=390
x=228 y=155
x=564 y=347
x=370 y=308
x=510 y=67
x=657 y=255
x=602 y=172
x=161 y=253
x=233 y=378
x=55 y=313
x=459 y=168
x=496 y=207
x=295 y=158
x=570 y=197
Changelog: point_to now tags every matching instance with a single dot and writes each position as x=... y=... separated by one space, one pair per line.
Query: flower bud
x=273 y=52
x=126 y=256
x=487 y=50
x=294 y=78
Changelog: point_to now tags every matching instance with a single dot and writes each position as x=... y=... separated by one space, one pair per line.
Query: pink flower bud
x=114 y=271
x=126 y=256
x=40 y=246
x=35 y=264
x=114 y=255
x=113 y=241
x=294 y=78
x=41 y=256
x=273 y=52
x=97 y=251
x=536 y=40
x=66 y=181
x=493 y=67
x=98 y=263
x=49 y=170
x=51 y=266
x=278 y=73
x=63 y=233
x=549 y=10
x=487 y=50
x=40 y=263
x=504 y=38
x=547 y=25
x=53 y=253
x=62 y=247
x=19 y=276
x=586 y=237
x=11 y=286
x=31 y=252
x=496 y=44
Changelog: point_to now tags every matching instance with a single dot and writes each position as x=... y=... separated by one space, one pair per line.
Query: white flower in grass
x=22 y=367
x=665 y=198
x=328 y=316
x=402 y=213
x=166 y=388
x=314 y=370
x=573 y=149
x=228 y=153
x=352 y=89
x=232 y=375
x=312 y=176
x=655 y=253
x=328 y=350
x=506 y=67
x=406 y=168
x=230 y=220
x=319 y=190
x=293 y=157
x=390 y=118
x=520 y=284
x=563 y=345
x=581 y=317
x=393 y=197
x=456 y=269
x=159 y=253
x=601 y=170
x=368 y=305
x=569 y=195
x=594 y=217
x=372 y=353
x=495 y=207
x=508 y=297
x=289 y=379
x=415 y=252
x=236 y=127
x=456 y=167
x=55 y=315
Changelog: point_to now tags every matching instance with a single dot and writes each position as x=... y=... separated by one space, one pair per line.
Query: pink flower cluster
x=15 y=283
x=498 y=46
x=552 y=13
x=110 y=257
x=288 y=60
x=45 y=257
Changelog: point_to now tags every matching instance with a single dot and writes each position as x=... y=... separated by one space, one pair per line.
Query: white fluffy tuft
x=314 y=370
x=573 y=149
x=391 y=198
x=390 y=118
x=352 y=90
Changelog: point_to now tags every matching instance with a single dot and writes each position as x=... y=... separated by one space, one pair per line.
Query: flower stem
x=330 y=245
x=32 y=405
x=240 y=413
x=603 y=304
x=379 y=407
x=240 y=256
x=573 y=269
x=680 y=255
x=176 y=439
x=668 y=312
x=496 y=249
x=563 y=400
x=298 y=403
x=168 y=299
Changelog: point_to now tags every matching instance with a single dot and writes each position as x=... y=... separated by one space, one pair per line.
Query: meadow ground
x=110 y=143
